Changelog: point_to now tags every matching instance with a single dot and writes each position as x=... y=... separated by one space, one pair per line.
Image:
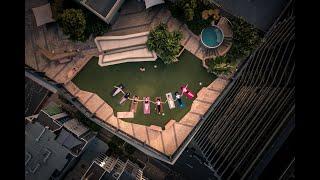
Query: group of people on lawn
x=147 y=100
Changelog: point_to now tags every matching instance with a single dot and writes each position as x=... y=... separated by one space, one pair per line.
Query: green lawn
x=153 y=82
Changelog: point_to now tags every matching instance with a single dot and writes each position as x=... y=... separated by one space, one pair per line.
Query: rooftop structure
x=111 y=168
x=96 y=147
x=105 y=10
x=35 y=94
x=76 y=127
x=44 y=155
x=53 y=142
x=260 y=13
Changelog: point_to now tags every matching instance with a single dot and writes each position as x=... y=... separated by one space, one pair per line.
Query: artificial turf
x=153 y=82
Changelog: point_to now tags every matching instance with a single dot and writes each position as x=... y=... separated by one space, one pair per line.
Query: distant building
x=108 y=10
x=53 y=143
x=112 y=168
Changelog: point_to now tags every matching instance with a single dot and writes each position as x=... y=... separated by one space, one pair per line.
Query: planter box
x=181 y=50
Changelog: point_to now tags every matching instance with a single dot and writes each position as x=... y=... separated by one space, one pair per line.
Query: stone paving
x=166 y=141
x=51 y=38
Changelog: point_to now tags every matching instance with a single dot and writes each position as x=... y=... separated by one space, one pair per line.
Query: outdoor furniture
x=64 y=60
x=43 y=14
x=56 y=56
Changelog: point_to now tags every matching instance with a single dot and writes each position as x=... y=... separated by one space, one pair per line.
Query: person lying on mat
x=124 y=98
x=184 y=89
x=178 y=98
x=118 y=89
x=158 y=103
x=135 y=99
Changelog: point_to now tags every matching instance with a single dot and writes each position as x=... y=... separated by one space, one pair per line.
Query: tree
x=219 y=66
x=189 y=7
x=73 y=23
x=245 y=39
x=166 y=44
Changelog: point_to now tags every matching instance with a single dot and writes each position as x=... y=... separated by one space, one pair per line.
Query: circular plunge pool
x=211 y=37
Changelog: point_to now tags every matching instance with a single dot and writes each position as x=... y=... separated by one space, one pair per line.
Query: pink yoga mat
x=146 y=106
x=187 y=92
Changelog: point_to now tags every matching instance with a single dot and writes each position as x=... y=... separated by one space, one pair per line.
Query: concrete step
x=113 y=51
x=130 y=30
x=137 y=55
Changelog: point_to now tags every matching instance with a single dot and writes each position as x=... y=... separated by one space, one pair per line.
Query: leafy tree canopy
x=166 y=44
x=219 y=66
x=245 y=39
x=73 y=23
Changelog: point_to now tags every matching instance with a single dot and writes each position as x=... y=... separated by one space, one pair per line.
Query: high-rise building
x=255 y=115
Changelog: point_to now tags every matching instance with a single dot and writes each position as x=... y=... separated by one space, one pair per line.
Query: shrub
x=183 y=9
x=114 y=149
x=189 y=7
x=205 y=14
x=245 y=39
x=90 y=124
x=73 y=23
x=129 y=149
x=219 y=66
x=166 y=44
x=94 y=25
x=57 y=8
x=197 y=24
x=190 y=12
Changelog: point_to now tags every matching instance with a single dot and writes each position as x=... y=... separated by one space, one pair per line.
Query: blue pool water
x=212 y=36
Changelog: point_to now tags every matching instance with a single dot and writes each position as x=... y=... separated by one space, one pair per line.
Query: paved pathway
x=166 y=141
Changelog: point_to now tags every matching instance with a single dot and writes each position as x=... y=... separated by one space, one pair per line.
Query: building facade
x=256 y=113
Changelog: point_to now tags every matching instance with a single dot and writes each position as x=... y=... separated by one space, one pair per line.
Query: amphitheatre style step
x=121 y=49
